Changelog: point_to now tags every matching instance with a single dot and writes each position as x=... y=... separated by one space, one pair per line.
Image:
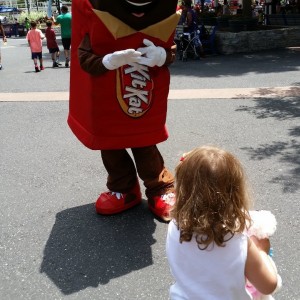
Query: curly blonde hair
x=212 y=200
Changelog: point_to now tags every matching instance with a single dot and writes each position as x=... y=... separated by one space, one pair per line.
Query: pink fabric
x=35 y=36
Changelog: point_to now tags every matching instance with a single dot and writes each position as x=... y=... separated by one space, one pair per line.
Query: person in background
x=226 y=10
x=197 y=9
x=35 y=40
x=27 y=24
x=209 y=253
x=260 y=16
x=16 y=27
x=2 y=32
x=191 y=21
x=239 y=11
x=52 y=44
x=65 y=19
x=182 y=12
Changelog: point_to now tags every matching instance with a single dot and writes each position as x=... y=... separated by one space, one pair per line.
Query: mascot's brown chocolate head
x=138 y=14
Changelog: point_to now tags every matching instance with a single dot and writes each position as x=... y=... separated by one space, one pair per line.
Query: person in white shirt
x=209 y=254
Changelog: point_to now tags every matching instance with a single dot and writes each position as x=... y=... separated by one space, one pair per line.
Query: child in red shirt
x=52 y=44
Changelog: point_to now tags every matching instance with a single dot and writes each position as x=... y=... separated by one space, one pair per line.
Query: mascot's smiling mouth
x=138 y=14
x=138 y=7
x=138 y=4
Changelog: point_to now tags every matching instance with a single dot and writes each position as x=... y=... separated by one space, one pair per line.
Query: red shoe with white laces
x=161 y=205
x=110 y=203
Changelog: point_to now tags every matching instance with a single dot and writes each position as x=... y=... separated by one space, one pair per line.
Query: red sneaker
x=161 y=205
x=112 y=203
x=42 y=68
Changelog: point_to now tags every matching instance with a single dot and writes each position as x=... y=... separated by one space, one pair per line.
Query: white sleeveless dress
x=215 y=274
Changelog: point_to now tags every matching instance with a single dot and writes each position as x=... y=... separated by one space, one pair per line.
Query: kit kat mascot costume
x=118 y=95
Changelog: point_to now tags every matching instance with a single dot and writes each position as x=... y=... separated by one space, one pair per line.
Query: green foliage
x=33 y=16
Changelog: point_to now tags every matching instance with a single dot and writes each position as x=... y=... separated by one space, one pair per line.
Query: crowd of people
x=208 y=7
x=35 y=38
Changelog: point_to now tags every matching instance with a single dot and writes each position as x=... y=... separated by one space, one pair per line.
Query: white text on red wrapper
x=137 y=92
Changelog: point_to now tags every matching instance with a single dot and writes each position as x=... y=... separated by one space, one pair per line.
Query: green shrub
x=33 y=16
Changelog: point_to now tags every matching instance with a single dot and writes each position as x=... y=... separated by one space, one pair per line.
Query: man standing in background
x=2 y=32
x=64 y=19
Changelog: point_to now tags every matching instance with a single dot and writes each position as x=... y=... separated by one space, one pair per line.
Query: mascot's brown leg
x=124 y=190
x=158 y=180
x=123 y=183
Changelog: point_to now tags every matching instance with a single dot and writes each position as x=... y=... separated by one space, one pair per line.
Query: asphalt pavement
x=54 y=246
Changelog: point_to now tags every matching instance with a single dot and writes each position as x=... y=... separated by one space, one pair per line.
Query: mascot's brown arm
x=171 y=55
x=89 y=61
x=92 y=63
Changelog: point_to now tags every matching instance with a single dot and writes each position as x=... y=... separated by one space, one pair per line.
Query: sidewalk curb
x=233 y=93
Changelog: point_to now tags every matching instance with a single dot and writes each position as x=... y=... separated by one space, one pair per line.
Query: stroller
x=187 y=44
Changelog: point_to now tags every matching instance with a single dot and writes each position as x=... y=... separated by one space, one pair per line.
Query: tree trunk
x=247 y=8
x=28 y=6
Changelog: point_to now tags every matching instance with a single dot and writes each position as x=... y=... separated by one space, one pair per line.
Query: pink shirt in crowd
x=35 y=36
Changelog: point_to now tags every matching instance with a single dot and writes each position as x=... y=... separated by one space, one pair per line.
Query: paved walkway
x=230 y=93
x=54 y=246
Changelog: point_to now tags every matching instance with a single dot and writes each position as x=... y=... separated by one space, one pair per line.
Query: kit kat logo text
x=134 y=89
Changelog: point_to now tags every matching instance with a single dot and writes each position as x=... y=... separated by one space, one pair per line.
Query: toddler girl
x=209 y=255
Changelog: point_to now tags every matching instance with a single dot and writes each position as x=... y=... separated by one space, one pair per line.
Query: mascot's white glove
x=152 y=55
x=117 y=59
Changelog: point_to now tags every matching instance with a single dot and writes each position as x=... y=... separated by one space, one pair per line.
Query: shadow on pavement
x=288 y=152
x=85 y=249
x=261 y=62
